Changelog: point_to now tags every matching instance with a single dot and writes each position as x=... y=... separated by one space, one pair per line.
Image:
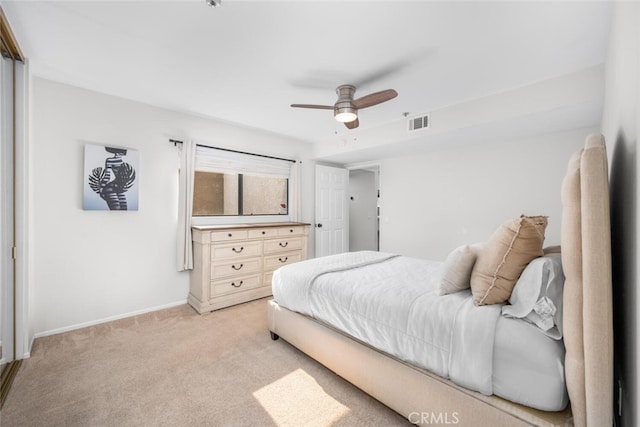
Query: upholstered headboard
x=586 y=259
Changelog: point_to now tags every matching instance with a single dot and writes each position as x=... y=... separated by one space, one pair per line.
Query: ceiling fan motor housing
x=343 y=109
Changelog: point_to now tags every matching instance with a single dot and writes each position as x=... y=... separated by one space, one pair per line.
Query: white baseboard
x=106 y=319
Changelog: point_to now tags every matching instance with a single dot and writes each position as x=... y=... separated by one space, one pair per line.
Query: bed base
x=416 y=394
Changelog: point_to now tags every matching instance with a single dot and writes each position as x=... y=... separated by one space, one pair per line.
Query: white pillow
x=537 y=295
x=456 y=271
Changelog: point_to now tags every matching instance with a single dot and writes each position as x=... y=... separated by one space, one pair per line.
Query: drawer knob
x=291 y=230
x=238 y=250
x=238 y=285
x=285 y=244
x=283 y=260
x=230 y=235
x=237 y=268
x=264 y=232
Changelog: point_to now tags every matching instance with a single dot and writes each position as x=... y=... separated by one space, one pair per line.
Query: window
x=238 y=194
x=237 y=184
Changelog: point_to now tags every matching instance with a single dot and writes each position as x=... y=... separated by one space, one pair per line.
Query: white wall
x=90 y=266
x=432 y=203
x=621 y=127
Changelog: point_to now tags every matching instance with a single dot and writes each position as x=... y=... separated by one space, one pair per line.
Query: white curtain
x=294 y=192
x=185 y=204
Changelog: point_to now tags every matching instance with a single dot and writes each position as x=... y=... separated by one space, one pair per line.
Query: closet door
x=6 y=212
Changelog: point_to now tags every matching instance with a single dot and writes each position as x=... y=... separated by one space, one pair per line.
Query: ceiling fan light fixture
x=345 y=110
x=345 y=114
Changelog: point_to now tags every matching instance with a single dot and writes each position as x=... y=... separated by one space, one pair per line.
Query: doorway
x=364 y=208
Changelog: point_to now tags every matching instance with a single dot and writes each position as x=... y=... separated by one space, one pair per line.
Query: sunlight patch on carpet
x=300 y=391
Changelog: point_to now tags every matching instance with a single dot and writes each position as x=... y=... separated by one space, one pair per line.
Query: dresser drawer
x=282 y=245
x=263 y=232
x=274 y=262
x=228 y=235
x=236 y=284
x=291 y=231
x=236 y=250
x=235 y=267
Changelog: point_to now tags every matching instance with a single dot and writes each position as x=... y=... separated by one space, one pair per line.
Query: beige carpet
x=177 y=368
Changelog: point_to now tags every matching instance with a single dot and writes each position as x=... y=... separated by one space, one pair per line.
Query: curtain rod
x=175 y=142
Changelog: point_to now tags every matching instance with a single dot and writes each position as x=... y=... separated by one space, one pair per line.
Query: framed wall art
x=110 y=178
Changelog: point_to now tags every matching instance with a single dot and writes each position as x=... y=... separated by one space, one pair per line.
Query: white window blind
x=222 y=161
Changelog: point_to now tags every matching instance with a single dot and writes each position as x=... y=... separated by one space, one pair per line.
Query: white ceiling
x=246 y=61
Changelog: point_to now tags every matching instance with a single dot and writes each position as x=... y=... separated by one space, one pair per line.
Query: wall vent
x=418 y=123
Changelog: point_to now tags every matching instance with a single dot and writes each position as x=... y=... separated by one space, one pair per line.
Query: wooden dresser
x=235 y=263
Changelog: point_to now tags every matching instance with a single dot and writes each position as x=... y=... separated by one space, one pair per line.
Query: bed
x=445 y=358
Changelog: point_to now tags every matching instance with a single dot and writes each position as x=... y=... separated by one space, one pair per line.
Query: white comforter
x=393 y=305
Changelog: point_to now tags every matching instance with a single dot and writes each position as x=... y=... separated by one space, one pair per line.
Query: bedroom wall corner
x=93 y=266
x=621 y=127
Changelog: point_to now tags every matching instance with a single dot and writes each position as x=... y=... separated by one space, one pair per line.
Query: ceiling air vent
x=417 y=123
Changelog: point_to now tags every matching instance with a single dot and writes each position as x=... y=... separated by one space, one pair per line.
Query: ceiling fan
x=346 y=108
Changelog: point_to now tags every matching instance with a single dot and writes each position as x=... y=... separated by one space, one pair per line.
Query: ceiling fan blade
x=374 y=98
x=352 y=125
x=318 y=107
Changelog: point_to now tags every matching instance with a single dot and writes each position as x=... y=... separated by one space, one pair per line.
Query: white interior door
x=332 y=210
